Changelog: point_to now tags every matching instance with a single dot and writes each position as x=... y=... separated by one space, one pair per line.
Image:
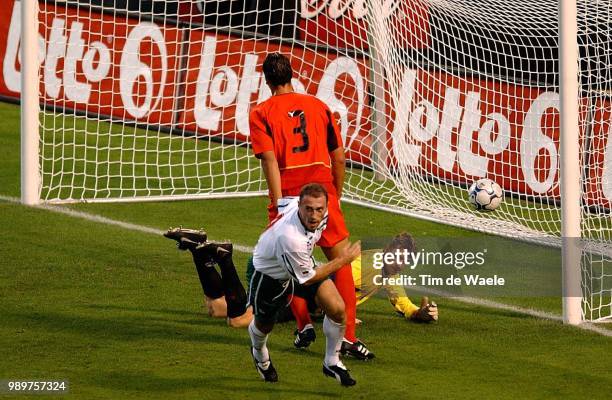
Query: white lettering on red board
x=410 y=132
x=95 y=61
x=340 y=8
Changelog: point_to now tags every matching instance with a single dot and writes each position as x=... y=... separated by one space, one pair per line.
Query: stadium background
x=211 y=95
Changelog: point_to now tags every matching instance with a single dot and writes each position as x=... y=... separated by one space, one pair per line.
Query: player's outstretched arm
x=347 y=255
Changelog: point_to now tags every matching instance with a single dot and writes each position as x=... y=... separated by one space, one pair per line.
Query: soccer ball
x=486 y=194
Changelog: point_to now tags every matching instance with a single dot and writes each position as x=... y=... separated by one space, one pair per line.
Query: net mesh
x=150 y=99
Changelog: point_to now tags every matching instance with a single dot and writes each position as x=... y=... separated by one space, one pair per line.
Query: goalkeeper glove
x=428 y=312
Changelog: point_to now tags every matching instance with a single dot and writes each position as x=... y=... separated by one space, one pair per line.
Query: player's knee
x=264 y=326
x=241 y=321
x=339 y=317
x=217 y=308
x=336 y=312
x=212 y=312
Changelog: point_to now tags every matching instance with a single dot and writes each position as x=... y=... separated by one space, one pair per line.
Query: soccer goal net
x=149 y=100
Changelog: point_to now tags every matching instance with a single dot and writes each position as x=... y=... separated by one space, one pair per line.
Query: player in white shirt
x=283 y=265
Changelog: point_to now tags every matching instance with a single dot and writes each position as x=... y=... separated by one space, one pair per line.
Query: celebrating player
x=225 y=295
x=298 y=142
x=284 y=265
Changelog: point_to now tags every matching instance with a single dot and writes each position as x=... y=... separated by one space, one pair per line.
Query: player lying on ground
x=296 y=137
x=365 y=287
x=225 y=295
x=284 y=265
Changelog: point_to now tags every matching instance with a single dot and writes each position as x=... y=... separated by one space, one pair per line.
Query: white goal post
x=570 y=165
x=30 y=169
x=131 y=100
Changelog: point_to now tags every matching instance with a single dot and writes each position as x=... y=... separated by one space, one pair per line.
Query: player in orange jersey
x=298 y=142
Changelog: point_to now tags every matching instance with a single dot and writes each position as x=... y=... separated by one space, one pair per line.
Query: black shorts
x=268 y=295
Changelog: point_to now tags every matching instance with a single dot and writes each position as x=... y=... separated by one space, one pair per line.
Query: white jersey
x=284 y=250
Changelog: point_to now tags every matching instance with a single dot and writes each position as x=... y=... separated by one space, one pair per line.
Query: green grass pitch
x=118 y=313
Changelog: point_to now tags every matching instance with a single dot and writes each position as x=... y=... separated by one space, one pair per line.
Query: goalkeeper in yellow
x=365 y=286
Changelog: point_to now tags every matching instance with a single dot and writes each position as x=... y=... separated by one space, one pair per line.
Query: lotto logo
x=456 y=128
x=92 y=64
x=222 y=83
x=517 y=126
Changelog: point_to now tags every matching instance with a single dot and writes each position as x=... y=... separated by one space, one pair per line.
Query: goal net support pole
x=570 y=163
x=30 y=174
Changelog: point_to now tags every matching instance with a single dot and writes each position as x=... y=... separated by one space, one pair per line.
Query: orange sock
x=299 y=308
x=346 y=288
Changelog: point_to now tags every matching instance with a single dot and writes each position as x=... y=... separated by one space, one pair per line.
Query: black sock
x=235 y=296
x=211 y=281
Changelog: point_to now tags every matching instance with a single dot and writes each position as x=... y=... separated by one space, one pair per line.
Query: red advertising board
x=343 y=24
x=5 y=36
x=456 y=128
x=224 y=80
x=598 y=185
x=463 y=128
x=98 y=63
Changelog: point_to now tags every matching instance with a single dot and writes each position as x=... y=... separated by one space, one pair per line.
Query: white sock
x=333 y=334
x=258 y=340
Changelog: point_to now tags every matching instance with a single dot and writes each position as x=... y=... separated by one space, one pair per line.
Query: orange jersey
x=301 y=131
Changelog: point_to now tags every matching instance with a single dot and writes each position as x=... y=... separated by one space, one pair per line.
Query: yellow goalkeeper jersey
x=365 y=287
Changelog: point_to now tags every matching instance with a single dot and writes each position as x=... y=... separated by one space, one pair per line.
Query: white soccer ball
x=486 y=194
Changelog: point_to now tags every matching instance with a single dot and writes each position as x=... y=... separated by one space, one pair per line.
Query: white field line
x=507 y=307
x=246 y=249
x=106 y=221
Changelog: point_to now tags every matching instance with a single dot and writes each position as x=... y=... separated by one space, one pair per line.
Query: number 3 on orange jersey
x=300 y=130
